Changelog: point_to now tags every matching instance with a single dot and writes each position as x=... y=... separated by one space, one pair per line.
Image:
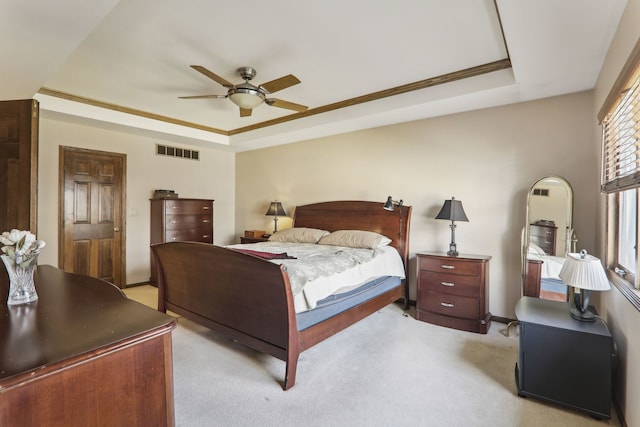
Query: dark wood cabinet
x=563 y=360
x=544 y=236
x=454 y=291
x=174 y=220
x=19 y=165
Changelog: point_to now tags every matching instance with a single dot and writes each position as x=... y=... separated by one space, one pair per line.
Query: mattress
x=339 y=302
x=318 y=271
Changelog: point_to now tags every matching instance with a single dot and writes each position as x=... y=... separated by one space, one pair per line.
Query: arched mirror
x=547 y=237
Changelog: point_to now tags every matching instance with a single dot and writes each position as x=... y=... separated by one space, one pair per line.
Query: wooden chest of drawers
x=454 y=291
x=175 y=220
x=544 y=236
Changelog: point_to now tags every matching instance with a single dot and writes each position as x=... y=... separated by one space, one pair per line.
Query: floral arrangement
x=21 y=246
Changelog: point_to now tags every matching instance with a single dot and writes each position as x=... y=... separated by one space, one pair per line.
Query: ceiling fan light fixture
x=246 y=98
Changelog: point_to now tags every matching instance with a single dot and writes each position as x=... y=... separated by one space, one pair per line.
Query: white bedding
x=551 y=265
x=321 y=270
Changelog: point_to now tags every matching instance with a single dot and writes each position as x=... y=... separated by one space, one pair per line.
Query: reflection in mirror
x=547 y=237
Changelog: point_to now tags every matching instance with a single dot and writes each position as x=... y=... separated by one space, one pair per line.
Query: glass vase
x=22 y=289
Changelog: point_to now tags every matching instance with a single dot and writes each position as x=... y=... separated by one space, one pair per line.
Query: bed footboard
x=242 y=296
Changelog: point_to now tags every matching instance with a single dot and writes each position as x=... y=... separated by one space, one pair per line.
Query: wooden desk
x=83 y=354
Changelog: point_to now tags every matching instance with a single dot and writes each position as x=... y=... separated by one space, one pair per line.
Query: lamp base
x=583 y=316
x=453 y=249
x=580 y=308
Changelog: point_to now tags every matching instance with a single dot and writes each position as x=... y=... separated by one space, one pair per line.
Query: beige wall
x=623 y=319
x=211 y=177
x=487 y=158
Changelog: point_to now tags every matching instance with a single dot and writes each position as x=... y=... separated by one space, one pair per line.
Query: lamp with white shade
x=585 y=272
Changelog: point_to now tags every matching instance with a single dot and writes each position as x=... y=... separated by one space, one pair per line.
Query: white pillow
x=355 y=239
x=298 y=235
x=535 y=249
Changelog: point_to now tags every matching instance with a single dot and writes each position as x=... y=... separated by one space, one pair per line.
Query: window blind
x=621 y=147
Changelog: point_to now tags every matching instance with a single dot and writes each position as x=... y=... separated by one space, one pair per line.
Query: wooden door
x=92 y=234
x=18 y=165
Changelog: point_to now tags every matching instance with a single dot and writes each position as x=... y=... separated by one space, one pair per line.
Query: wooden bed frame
x=249 y=299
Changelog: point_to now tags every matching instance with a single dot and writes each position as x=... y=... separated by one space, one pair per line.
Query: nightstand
x=454 y=291
x=244 y=240
x=563 y=360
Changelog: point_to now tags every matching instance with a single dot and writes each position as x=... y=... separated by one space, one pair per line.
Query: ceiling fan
x=248 y=96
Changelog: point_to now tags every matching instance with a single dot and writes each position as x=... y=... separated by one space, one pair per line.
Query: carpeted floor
x=386 y=370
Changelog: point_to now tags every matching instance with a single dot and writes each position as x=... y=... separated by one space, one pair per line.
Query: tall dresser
x=454 y=291
x=544 y=235
x=174 y=220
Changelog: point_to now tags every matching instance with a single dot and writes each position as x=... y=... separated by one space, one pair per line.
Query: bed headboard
x=359 y=215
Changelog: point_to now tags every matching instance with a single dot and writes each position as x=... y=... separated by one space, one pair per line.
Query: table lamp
x=585 y=272
x=275 y=210
x=452 y=210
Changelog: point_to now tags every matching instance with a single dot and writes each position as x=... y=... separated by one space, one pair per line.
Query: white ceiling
x=114 y=58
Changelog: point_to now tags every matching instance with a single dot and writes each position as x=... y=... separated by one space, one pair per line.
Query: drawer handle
x=446 y=304
x=174 y=238
x=173 y=221
x=449 y=284
x=205 y=236
x=448 y=267
x=206 y=208
x=205 y=221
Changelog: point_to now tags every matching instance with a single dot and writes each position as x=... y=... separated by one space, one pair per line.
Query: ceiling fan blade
x=202 y=96
x=245 y=112
x=212 y=75
x=281 y=83
x=286 y=104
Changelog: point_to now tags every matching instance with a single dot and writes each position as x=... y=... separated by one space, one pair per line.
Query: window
x=620 y=119
x=627 y=234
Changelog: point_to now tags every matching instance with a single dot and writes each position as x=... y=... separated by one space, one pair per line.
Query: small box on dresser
x=454 y=291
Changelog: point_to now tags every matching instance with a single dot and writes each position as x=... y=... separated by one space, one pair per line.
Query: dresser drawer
x=191 y=235
x=181 y=222
x=450 y=305
x=453 y=284
x=451 y=266
x=537 y=230
x=179 y=206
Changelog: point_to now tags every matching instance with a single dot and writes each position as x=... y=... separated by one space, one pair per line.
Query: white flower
x=21 y=246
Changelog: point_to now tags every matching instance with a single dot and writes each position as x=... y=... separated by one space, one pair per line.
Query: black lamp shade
x=276 y=209
x=452 y=210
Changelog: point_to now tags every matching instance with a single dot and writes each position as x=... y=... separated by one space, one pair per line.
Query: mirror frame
x=525 y=231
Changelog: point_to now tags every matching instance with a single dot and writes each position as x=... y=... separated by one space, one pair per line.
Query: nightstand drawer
x=453 y=284
x=245 y=240
x=451 y=266
x=450 y=305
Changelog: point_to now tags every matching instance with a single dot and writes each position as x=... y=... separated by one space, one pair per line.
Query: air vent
x=541 y=192
x=183 y=153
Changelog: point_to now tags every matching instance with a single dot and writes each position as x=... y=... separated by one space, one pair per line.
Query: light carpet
x=386 y=370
